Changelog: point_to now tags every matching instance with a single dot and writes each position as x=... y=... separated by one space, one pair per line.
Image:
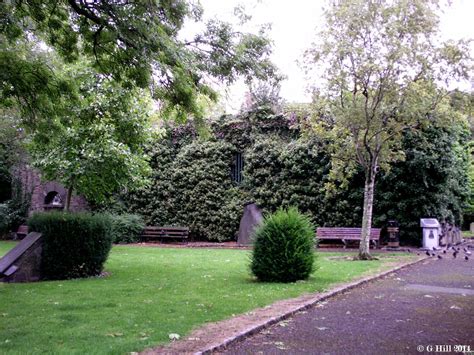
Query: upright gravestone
x=251 y=218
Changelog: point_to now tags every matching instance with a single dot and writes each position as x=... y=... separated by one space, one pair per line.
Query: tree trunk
x=68 y=199
x=364 y=252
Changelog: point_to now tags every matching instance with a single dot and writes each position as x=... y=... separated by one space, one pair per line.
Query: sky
x=294 y=27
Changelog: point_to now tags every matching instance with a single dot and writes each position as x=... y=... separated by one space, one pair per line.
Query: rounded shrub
x=126 y=228
x=74 y=244
x=284 y=247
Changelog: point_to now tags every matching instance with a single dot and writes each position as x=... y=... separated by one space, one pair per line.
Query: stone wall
x=31 y=182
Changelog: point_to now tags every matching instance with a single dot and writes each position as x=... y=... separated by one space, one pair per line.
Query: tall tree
x=96 y=148
x=137 y=43
x=86 y=126
x=385 y=72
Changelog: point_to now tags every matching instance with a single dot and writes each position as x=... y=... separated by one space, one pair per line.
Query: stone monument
x=22 y=263
x=251 y=218
x=431 y=228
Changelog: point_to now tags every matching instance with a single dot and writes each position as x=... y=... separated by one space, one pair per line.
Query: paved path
x=428 y=304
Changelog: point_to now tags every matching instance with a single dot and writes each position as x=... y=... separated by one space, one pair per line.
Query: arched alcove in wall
x=53 y=200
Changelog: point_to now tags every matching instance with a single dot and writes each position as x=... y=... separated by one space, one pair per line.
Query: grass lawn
x=467 y=234
x=150 y=293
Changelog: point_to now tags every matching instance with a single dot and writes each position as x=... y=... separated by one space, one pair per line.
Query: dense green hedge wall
x=204 y=197
x=280 y=174
x=155 y=202
x=431 y=182
x=74 y=244
x=192 y=185
x=4 y=220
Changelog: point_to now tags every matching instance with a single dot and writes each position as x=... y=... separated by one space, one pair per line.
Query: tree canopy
x=98 y=145
x=135 y=43
x=385 y=73
x=81 y=75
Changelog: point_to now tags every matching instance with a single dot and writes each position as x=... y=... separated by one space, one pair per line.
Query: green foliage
x=29 y=85
x=191 y=187
x=136 y=44
x=18 y=205
x=379 y=81
x=4 y=219
x=279 y=173
x=14 y=211
x=11 y=149
x=74 y=245
x=154 y=202
x=431 y=182
x=93 y=316
x=203 y=195
x=284 y=247
x=97 y=149
x=126 y=228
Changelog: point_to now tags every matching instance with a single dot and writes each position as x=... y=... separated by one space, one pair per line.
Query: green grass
x=467 y=234
x=150 y=293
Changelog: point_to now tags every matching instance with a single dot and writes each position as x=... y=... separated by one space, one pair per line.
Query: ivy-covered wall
x=432 y=181
x=192 y=185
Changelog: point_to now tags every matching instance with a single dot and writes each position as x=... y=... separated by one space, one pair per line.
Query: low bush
x=127 y=228
x=284 y=247
x=74 y=245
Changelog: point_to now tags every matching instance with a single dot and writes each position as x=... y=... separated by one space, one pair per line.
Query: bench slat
x=155 y=232
x=346 y=233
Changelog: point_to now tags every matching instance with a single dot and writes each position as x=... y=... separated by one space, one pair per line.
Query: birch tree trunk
x=364 y=252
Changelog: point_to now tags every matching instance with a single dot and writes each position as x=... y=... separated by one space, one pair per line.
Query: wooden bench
x=161 y=233
x=347 y=234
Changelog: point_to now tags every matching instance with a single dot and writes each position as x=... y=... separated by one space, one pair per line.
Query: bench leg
x=345 y=243
x=375 y=243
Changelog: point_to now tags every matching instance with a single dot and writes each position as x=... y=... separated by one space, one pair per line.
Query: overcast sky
x=294 y=25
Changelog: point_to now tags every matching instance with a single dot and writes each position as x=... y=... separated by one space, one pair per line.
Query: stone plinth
x=22 y=263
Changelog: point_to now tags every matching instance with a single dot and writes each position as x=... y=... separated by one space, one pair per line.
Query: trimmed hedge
x=127 y=228
x=74 y=245
x=284 y=247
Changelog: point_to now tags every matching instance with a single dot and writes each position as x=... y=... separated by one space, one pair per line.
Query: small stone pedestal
x=431 y=228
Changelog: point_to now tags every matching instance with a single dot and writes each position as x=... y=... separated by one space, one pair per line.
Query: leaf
x=115 y=334
x=173 y=336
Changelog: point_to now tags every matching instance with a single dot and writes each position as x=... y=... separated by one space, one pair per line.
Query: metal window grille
x=237 y=168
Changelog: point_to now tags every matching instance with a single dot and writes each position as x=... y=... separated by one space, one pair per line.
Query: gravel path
x=425 y=305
